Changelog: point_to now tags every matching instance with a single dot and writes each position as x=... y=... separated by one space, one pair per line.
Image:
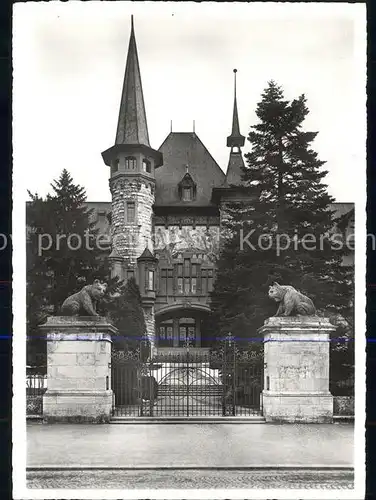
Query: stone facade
x=78 y=369
x=133 y=195
x=296 y=369
x=129 y=238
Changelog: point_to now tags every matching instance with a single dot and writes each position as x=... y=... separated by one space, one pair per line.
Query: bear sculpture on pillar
x=291 y=302
x=84 y=302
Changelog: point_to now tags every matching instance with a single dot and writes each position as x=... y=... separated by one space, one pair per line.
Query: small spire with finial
x=235 y=139
x=194 y=126
x=171 y=126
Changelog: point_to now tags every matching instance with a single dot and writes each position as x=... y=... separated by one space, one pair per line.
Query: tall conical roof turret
x=132 y=129
x=132 y=126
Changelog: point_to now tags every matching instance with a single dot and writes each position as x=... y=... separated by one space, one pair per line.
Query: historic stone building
x=165 y=215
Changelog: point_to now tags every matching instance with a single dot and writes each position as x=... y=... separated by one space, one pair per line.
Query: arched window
x=146 y=166
x=130 y=163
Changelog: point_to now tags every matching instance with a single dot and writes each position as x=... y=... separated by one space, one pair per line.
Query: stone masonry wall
x=129 y=239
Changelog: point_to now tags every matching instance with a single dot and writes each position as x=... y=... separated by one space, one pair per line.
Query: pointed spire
x=132 y=125
x=235 y=139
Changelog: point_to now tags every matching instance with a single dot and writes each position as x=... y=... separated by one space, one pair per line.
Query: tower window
x=146 y=166
x=131 y=211
x=115 y=166
x=130 y=163
x=151 y=280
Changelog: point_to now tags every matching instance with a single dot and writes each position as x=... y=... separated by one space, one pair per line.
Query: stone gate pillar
x=78 y=369
x=296 y=369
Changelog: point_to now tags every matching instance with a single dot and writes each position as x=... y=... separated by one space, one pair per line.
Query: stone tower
x=132 y=163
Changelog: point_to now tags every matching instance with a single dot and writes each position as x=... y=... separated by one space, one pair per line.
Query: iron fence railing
x=36 y=386
x=225 y=382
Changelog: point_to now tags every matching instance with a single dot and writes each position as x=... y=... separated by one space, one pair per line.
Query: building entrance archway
x=181 y=327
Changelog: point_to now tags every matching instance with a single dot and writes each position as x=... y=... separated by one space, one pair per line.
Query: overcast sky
x=69 y=61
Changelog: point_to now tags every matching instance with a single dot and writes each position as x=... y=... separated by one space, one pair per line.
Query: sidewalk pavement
x=193 y=445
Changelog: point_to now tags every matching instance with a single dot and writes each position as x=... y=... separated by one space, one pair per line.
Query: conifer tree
x=62 y=255
x=284 y=233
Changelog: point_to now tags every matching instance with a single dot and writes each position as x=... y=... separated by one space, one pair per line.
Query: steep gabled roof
x=182 y=149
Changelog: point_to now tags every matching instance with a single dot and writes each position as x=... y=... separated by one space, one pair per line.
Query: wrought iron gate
x=223 y=382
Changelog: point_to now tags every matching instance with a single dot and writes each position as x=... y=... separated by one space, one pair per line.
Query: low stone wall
x=343 y=406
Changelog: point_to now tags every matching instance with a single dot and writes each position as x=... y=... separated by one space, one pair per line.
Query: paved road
x=195 y=445
x=191 y=479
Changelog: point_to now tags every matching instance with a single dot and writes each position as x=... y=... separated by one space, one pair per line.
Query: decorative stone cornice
x=78 y=328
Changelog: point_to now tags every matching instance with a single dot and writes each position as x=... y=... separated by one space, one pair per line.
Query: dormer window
x=146 y=166
x=130 y=163
x=187 y=188
x=187 y=194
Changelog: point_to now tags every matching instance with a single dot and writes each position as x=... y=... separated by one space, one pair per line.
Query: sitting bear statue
x=84 y=302
x=291 y=302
